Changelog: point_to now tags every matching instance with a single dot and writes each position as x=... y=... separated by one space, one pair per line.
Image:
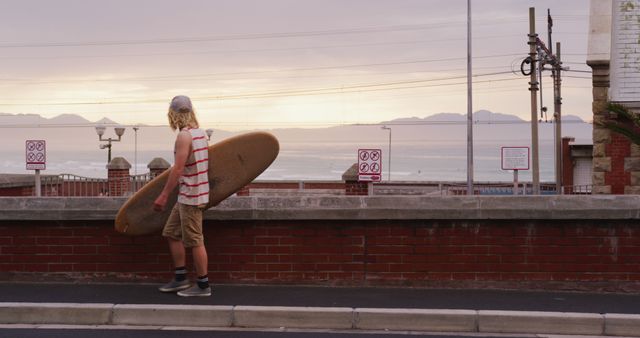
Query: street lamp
x=209 y=133
x=100 y=131
x=135 y=151
x=389 y=170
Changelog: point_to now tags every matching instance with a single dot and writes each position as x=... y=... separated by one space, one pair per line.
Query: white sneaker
x=195 y=291
x=174 y=286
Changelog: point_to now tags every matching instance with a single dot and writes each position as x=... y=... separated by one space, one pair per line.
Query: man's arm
x=183 y=147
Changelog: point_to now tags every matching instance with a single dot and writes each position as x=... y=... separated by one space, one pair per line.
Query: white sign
x=36 y=154
x=515 y=158
x=370 y=165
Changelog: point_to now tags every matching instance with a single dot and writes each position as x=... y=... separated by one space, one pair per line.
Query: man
x=183 y=229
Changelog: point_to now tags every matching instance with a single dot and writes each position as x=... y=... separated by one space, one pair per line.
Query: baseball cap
x=181 y=103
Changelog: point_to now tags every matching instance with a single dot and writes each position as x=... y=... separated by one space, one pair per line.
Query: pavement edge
x=336 y=318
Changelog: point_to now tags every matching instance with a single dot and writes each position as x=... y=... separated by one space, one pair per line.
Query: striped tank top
x=194 y=182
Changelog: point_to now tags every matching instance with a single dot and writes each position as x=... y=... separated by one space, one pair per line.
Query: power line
x=195 y=76
x=226 y=106
x=279 y=93
x=355 y=45
x=259 y=36
x=577 y=71
x=377 y=75
x=311 y=92
x=251 y=50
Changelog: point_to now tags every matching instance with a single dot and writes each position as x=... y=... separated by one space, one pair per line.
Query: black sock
x=181 y=273
x=203 y=282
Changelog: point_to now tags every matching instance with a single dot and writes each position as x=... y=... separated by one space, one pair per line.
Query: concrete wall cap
x=158 y=163
x=118 y=163
x=351 y=174
x=596 y=207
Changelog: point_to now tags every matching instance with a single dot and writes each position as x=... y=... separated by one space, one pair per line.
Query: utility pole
x=533 y=87
x=135 y=152
x=389 y=161
x=557 y=106
x=469 y=106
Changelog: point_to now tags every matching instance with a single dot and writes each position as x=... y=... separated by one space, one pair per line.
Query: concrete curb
x=55 y=313
x=293 y=317
x=622 y=325
x=344 y=318
x=416 y=320
x=541 y=322
x=172 y=315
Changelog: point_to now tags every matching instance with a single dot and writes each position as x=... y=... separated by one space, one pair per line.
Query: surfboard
x=233 y=163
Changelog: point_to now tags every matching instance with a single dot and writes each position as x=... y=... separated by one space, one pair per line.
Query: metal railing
x=480 y=188
x=69 y=185
x=585 y=189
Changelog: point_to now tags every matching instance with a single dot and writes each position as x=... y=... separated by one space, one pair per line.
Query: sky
x=280 y=63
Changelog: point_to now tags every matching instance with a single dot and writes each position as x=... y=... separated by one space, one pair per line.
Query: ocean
x=306 y=161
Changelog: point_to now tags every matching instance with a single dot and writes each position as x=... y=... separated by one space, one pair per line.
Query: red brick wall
x=46 y=190
x=324 y=185
x=17 y=191
x=118 y=182
x=246 y=191
x=618 y=150
x=338 y=252
x=295 y=185
x=273 y=185
x=354 y=188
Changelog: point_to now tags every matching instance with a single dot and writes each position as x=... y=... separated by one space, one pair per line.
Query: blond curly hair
x=182 y=118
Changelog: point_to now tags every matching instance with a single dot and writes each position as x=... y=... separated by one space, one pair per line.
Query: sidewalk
x=401 y=309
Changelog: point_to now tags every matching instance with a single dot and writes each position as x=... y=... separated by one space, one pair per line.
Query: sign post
x=369 y=166
x=36 y=158
x=515 y=158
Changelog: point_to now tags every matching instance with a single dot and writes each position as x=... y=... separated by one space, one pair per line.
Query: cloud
x=150 y=50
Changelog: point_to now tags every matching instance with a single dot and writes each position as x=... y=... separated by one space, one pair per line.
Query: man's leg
x=193 y=238
x=200 y=260
x=173 y=233
x=178 y=253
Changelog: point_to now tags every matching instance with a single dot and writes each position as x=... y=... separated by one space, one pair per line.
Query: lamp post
x=100 y=131
x=389 y=170
x=135 y=151
x=469 y=105
x=209 y=133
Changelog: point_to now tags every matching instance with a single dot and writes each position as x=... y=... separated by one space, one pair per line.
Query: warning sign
x=515 y=158
x=36 y=154
x=370 y=165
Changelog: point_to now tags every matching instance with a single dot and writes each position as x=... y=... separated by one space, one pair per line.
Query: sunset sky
x=279 y=63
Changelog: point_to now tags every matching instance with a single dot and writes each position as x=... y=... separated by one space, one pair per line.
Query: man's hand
x=160 y=203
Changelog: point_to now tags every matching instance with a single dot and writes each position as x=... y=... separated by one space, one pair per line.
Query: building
x=614 y=56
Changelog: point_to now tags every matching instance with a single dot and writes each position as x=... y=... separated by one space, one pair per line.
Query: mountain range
x=74 y=119
x=488 y=126
x=63 y=119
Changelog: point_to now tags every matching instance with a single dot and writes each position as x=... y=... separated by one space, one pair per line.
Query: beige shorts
x=185 y=224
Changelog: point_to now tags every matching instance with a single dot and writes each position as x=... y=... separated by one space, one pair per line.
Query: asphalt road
x=328 y=297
